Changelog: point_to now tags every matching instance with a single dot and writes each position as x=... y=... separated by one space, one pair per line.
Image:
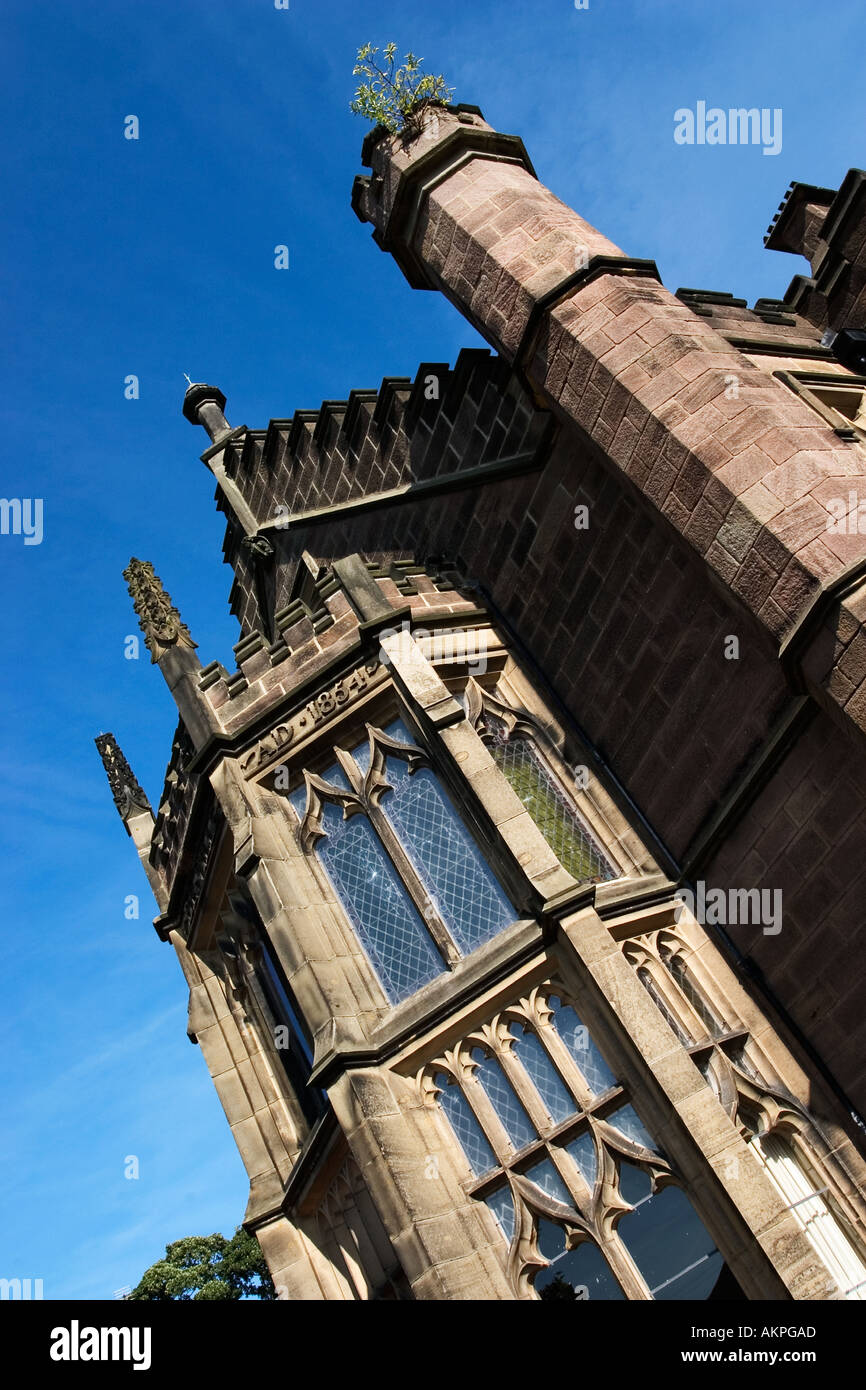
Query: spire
x=129 y=797
x=204 y=405
x=158 y=619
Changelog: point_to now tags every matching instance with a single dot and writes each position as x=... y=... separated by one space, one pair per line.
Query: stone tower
x=515 y=870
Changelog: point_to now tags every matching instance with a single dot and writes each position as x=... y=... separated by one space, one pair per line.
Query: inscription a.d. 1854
x=321 y=708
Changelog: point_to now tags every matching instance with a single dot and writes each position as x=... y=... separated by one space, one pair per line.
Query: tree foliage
x=208 y=1267
x=558 y=1289
x=395 y=96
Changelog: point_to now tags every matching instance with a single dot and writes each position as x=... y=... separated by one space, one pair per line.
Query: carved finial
x=158 y=619
x=189 y=378
x=128 y=795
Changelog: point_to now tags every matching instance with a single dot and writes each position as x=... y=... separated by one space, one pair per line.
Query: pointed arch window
x=402 y=863
x=516 y=747
x=586 y=1202
x=812 y=1213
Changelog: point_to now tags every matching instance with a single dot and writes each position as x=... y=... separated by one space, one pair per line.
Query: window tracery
x=408 y=873
x=783 y=1136
x=578 y=1189
x=516 y=743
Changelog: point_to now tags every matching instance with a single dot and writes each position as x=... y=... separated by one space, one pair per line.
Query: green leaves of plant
x=392 y=97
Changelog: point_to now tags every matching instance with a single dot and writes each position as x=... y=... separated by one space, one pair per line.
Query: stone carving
x=129 y=797
x=158 y=619
x=317 y=711
x=367 y=788
x=591 y=1214
x=198 y=877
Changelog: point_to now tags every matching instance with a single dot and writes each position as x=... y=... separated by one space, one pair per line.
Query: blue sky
x=156 y=257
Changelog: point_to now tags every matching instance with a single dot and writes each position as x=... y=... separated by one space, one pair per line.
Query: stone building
x=516 y=871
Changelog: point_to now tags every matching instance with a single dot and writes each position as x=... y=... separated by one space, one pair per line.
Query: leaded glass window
x=460 y=884
x=547 y=801
x=666 y=1239
x=387 y=922
x=466 y=1127
x=677 y=967
x=412 y=881
x=596 y=1073
x=500 y=1092
x=552 y=1120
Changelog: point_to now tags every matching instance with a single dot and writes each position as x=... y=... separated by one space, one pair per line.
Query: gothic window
x=516 y=747
x=362 y=1264
x=580 y=1192
x=675 y=963
x=764 y=1112
x=290 y=1034
x=839 y=400
x=409 y=875
x=807 y=1204
x=660 y=963
x=254 y=978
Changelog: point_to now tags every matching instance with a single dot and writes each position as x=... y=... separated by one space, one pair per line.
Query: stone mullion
x=414 y=886
x=700 y=1030
x=626 y=1271
x=525 y=1088
x=370 y=1221
x=334 y=1260
x=694 y=1028
x=483 y=1109
x=565 y=1064
x=368 y=1255
x=348 y=1247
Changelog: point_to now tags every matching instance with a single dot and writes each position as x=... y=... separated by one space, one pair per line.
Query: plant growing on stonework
x=395 y=97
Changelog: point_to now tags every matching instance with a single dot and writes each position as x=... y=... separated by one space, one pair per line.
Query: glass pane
x=627 y=1122
x=501 y=1203
x=575 y=1035
x=582 y=1151
x=467 y=1129
x=545 y=1176
x=677 y=968
x=667 y=1241
x=812 y=1213
x=462 y=887
x=581 y=1273
x=658 y=998
x=530 y=1051
x=546 y=800
x=383 y=915
x=334 y=774
x=502 y=1097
